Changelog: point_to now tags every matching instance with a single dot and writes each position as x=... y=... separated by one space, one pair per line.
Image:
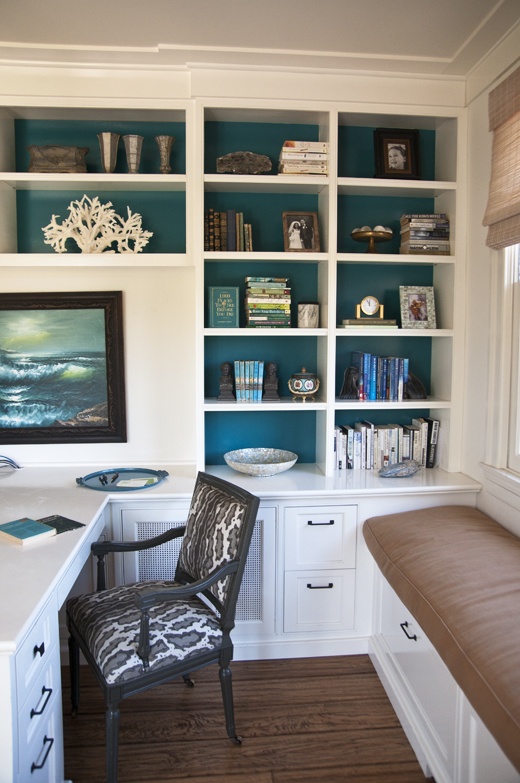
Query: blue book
x=223 y=306
x=25 y=531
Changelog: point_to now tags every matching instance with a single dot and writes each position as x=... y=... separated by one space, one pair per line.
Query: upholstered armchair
x=139 y=636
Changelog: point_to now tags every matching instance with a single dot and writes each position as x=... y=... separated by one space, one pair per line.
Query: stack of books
x=268 y=302
x=304 y=157
x=227 y=231
x=425 y=234
x=379 y=377
x=368 y=446
x=249 y=378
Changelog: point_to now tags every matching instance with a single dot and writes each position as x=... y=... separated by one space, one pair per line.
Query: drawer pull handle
x=310 y=522
x=47 y=692
x=39 y=650
x=404 y=626
x=320 y=587
x=50 y=742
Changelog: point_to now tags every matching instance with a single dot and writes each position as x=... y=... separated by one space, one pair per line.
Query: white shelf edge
x=393 y=258
x=360 y=405
x=96 y=259
x=130 y=182
x=284 y=404
x=260 y=332
x=258 y=255
x=358 y=331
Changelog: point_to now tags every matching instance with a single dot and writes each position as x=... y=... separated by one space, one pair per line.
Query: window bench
x=458 y=573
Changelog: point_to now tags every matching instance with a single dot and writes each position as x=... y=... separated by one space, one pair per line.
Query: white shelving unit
x=445 y=192
x=327 y=344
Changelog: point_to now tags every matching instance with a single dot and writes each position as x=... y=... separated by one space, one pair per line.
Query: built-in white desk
x=35 y=580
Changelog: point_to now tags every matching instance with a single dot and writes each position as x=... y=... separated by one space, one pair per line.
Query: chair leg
x=112 y=742
x=74 y=674
x=226 y=685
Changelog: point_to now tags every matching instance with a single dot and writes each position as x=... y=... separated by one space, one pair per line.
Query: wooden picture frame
x=301 y=232
x=62 y=362
x=396 y=153
x=417 y=307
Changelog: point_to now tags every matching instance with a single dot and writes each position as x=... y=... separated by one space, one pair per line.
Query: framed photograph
x=300 y=232
x=396 y=153
x=417 y=307
x=62 y=368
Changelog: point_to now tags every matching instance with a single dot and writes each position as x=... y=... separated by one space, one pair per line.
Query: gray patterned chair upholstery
x=141 y=635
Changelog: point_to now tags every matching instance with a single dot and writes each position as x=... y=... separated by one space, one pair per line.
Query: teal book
x=223 y=307
x=25 y=531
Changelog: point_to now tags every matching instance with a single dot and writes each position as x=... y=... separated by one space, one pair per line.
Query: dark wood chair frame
x=188 y=587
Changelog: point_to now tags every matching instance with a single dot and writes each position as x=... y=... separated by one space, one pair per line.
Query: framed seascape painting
x=300 y=231
x=396 y=153
x=62 y=368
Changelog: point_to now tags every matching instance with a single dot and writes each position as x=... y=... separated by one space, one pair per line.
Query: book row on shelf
x=304 y=157
x=267 y=302
x=426 y=233
x=249 y=380
x=368 y=446
x=372 y=377
x=227 y=231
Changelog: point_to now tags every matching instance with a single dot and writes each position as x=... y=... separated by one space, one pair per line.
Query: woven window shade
x=503 y=208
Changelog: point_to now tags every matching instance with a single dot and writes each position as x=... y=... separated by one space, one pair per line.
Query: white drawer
x=42 y=760
x=320 y=537
x=39 y=702
x=31 y=659
x=319 y=600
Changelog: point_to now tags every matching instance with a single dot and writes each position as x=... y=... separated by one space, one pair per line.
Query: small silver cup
x=133 y=147
x=108 y=143
x=165 y=144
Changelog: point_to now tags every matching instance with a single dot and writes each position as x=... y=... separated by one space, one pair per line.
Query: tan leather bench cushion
x=458 y=573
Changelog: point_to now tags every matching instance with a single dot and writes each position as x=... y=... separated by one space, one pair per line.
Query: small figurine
x=226 y=382
x=271 y=382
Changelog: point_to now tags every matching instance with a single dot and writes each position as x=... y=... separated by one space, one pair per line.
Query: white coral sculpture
x=95 y=227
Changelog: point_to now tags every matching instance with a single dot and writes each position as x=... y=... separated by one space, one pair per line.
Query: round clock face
x=369 y=305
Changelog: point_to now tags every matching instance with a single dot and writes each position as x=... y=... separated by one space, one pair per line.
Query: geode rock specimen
x=243 y=163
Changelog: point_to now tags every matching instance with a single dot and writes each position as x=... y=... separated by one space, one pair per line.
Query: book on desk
x=26 y=531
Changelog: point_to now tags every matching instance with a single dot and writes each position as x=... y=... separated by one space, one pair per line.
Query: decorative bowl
x=260 y=462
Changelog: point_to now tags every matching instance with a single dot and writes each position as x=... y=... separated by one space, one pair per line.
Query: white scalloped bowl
x=260 y=462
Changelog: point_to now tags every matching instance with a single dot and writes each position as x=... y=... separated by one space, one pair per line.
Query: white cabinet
x=449 y=739
x=38 y=729
x=320 y=560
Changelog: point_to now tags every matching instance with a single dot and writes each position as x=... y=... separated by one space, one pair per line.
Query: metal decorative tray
x=122 y=479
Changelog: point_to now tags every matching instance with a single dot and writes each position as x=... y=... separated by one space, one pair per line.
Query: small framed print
x=396 y=153
x=417 y=307
x=300 y=232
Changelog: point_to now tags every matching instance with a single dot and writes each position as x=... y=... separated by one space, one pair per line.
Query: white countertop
x=29 y=575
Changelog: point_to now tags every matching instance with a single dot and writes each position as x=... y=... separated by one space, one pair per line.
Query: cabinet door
x=320 y=537
x=319 y=600
x=424 y=676
x=481 y=758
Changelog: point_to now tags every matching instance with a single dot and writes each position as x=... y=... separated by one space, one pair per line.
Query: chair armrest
x=150 y=596
x=102 y=548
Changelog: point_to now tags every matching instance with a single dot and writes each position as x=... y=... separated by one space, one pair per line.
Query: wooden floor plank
x=319 y=720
